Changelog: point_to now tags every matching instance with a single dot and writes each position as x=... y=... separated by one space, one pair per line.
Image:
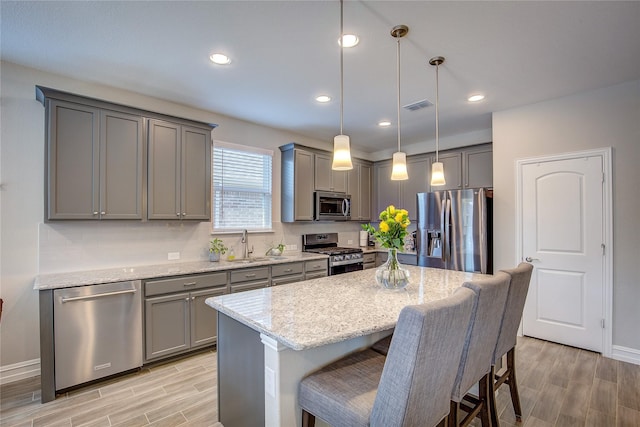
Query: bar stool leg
x=308 y=420
x=513 y=384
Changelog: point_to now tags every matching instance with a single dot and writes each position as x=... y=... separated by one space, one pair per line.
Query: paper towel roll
x=364 y=238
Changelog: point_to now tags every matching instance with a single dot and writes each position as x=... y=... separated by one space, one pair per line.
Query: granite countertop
x=110 y=275
x=323 y=311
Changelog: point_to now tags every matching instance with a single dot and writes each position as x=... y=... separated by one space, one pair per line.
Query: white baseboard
x=625 y=354
x=19 y=371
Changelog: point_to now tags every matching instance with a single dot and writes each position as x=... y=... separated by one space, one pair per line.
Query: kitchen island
x=268 y=339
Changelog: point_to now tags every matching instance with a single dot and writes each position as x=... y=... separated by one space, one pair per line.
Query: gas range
x=341 y=260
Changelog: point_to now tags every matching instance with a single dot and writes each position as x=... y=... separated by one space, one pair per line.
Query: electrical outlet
x=291 y=247
x=173 y=256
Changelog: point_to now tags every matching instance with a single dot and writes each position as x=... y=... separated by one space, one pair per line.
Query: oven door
x=347 y=268
x=332 y=206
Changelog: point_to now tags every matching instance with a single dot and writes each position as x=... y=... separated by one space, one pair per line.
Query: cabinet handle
x=193 y=298
x=95 y=212
x=288 y=270
x=190 y=284
x=250 y=275
x=103 y=213
x=184 y=214
x=187 y=299
x=177 y=213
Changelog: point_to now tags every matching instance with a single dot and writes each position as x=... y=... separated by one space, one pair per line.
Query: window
x=241 y=187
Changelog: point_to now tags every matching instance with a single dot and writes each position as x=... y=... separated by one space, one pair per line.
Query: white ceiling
x=285 y=53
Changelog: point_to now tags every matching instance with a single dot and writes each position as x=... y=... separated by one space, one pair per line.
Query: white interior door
x=562 y=221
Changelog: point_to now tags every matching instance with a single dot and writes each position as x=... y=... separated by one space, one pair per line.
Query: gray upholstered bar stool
x=518 y=288
x=410 y=387
x=475 y=362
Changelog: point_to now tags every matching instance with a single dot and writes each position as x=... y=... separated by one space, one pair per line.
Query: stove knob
x=337 y=258
x=346 y=257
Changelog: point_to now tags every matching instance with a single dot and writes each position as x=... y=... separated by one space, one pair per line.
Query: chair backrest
x=477 y=352
x=518 y=289
x=422 y=362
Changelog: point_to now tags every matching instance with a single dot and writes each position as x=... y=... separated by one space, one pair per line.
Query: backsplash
x=79 y=245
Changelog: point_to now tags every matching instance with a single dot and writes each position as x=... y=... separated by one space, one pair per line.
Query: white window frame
x=247 y=149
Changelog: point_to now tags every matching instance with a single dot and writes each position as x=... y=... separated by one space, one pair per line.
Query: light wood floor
x=559 y=386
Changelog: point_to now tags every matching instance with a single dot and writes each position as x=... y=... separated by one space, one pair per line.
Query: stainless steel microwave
x=332 y=206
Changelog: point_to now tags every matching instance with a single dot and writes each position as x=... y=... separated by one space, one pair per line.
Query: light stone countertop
x=332 y=309
x=110 y=275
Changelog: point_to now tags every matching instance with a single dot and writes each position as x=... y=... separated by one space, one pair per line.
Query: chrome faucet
x=245 y=245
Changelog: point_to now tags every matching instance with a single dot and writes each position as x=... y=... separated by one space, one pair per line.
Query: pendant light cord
x=437 y=108
x=341 y=65
x=398 y=106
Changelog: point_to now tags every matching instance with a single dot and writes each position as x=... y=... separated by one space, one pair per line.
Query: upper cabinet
x=467 y=168
x=359 y=187
x=97 y=166
x=179 y=179
x=306 y=170
x=325 y=178
x=452 y=164
x=401 y=194
x=94 y=163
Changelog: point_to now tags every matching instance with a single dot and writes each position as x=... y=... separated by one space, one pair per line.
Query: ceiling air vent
x=418 y=105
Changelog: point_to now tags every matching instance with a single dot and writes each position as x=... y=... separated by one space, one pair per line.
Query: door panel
x=562 y=219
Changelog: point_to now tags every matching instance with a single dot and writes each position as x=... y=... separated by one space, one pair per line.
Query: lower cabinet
x=316 y=268
x=287 y=273
x=177 y=319
x=369 y=260
x=247 y=279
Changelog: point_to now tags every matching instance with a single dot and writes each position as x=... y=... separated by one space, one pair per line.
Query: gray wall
x=607 y=117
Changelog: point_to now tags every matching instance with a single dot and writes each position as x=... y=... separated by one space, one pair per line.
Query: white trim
x=240 y=147
x=607 y=204
x=19 y=371
x=626 y=354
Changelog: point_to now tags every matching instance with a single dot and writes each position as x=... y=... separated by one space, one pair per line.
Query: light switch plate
x=173 y=256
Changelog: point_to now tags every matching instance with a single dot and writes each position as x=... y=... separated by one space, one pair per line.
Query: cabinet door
x=163 y=192
x=195 y=174
x=303 y=186
x=325 y=178
x=418 y=182
x=387 y=191
x=204 y=319
x=478 y=168
x=166 y=325
x=121 y=165
x=365 y=192
x=452 y=164
x=73 y=161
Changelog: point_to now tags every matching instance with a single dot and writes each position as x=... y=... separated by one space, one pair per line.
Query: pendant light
x=437 y=168
x=341 y=150
x=399 y=169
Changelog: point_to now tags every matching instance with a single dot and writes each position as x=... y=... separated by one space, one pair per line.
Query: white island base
x=243 y=394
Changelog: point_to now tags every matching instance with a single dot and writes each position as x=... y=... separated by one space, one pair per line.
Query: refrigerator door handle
x=445 y=224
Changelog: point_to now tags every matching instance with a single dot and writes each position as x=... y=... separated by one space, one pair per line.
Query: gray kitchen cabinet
x=408 y=259
x=477 y=165
x=359 y=187
x=369 y=260
x=94 y=162
x=401 y=194
x=452 y=164
x=297 y=185
x=179 y=176
x=387 y=191
x=316 y=268
x=246 y=279
x=177 y=319
x=325 y=178
x=287 y=273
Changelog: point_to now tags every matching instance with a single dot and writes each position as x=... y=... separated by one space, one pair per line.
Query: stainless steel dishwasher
x=98 y=331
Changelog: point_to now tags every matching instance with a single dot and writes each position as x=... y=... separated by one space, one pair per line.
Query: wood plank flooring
x=559 y=386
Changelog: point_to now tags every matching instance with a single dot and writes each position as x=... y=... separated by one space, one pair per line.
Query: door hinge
x=602 y=323
x=602 y=247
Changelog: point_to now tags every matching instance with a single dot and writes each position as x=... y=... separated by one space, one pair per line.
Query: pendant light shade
x=341 y=149
x=341 y=153
x=437 y=168
x=399 y=170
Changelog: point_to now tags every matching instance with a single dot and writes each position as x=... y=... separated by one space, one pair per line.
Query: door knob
x=529 y=259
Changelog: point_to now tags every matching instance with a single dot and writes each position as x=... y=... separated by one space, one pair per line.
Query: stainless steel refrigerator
x=454 y=230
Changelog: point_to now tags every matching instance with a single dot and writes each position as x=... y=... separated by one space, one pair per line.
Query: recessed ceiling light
x=475 y=98
x=350 y=40
x=384 y=123
x=323 y=98
x=220 y=59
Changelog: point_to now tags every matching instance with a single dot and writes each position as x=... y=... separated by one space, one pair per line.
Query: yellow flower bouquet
x=392 y=229
x=391 y=233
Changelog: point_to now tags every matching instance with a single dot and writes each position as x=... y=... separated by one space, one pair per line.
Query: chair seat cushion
x=344 y=391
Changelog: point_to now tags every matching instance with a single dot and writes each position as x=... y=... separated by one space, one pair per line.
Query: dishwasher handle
x=93 y=296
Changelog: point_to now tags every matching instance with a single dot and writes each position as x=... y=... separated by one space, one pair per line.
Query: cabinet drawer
x=287 y=279
x=369 y=257
x=249 y=286
x=185 y=283
x=246 y=274
x=315 y=275
x=316 y=265
x=286 y=269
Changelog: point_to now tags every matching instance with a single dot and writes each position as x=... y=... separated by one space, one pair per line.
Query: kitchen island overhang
x=268 y=339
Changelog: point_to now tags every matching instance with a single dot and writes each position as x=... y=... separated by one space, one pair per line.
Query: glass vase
x=392 y=274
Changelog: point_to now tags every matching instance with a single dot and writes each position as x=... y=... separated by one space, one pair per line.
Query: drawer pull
x=250 y=275
x=190 y=284
x=288 y=270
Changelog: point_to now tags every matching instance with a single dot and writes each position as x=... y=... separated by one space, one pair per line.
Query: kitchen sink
x=249 y=260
